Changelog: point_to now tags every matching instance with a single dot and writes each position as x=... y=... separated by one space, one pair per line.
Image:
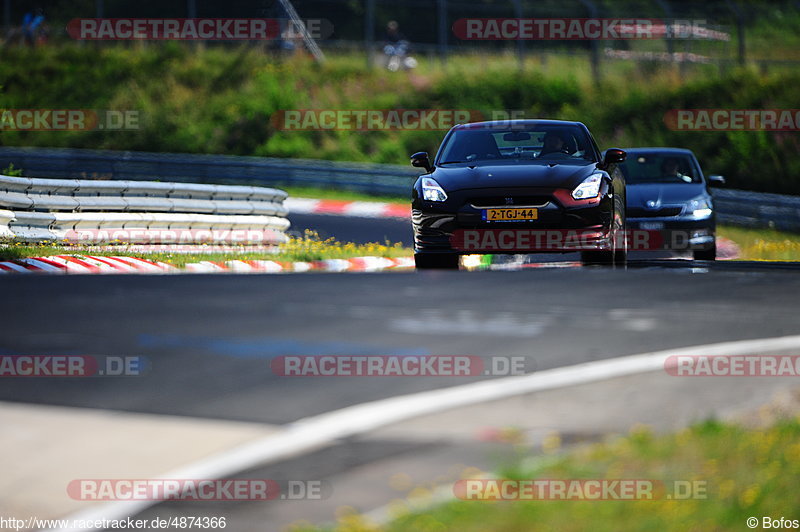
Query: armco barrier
x=737 y=207
x=757 y=209
x=90 y=211
x=224 y=169
x=5 y=218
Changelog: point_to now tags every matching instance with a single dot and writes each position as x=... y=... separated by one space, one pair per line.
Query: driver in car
x=670 y=171
x=552 y=143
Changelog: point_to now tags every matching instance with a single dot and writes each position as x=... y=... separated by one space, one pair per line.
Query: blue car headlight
x=698 y=207
x=432 y=191
x=589 y=188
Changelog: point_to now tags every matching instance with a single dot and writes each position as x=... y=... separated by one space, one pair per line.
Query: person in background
x=33 y=28
x=396 y=48
x=393 y=34
x=32 y=32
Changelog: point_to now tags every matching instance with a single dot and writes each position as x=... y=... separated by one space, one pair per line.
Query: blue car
x=668 y=194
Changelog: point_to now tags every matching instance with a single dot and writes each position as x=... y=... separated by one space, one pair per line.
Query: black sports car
x=518 y=186
x=668 y=194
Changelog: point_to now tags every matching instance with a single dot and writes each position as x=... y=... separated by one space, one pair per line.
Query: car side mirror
x=420 y=160
x=716 y=180
x=613 y=156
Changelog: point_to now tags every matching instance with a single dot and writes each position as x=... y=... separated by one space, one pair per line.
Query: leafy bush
x=221 y=100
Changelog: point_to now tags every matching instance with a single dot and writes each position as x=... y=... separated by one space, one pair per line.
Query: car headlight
x=699 y=208
x=431 y=191
x=590 y=187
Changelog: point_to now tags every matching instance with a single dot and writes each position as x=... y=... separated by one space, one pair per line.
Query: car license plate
x=651 y=226
x=507 y=215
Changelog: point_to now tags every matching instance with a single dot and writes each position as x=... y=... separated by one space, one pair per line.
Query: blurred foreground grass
x=763 y=244
x=747 y=473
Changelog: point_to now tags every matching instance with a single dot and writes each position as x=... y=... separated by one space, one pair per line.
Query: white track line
x=318 y=431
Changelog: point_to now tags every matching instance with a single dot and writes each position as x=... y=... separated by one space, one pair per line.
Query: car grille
x=501 y=201
x=638 y=212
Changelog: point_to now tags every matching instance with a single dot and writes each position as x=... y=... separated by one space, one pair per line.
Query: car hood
x=513 y=174
x=663 y=193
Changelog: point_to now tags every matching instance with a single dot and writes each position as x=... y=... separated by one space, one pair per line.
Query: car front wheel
x=436 y=261
x=617 y=256
x=590 y=258
x=706 y=254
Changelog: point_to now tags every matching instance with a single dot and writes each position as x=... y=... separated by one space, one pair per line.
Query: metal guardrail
x=224 y=169
x=92 y=211
x=757 y=209
x=737 y=207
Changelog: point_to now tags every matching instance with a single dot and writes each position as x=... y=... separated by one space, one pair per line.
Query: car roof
x=522 y=122
x=659 y=149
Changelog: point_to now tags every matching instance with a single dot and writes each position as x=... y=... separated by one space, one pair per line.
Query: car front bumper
x=457 y=226
x=675 y=233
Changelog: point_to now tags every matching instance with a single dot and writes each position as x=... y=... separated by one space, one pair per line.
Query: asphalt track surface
x=210 y=338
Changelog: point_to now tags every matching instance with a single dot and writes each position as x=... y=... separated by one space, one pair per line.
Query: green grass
x=746 y=473
x=763 y=244
x=308 y=248
x=242 y=88
x=344 y=195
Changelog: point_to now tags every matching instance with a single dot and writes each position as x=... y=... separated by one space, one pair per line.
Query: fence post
x=441 y=6
x=669 y=26
x=739 y=30
x=595 y=45
x=520 y=42
x=369 y=32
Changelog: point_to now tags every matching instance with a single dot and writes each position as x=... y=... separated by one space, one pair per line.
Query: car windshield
x=661 y=167
x=546 y=144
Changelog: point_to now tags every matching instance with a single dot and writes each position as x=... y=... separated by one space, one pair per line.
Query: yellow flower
x=551 y=443
x=792 y=453
x=748 y=496
x=711 y=467
x=726 y=488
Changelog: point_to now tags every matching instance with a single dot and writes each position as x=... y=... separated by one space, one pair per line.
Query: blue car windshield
x=561 y=144
x=660 y=167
